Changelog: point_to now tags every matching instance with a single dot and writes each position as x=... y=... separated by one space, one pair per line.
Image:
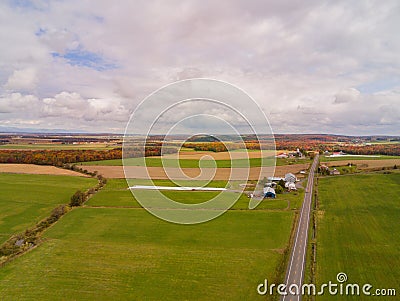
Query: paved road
x=295 y=271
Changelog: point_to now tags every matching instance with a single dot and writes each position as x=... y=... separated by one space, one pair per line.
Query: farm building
x=291 y=178
x=323 y=168
x=270 y=184
x=335 y=172
x=269 y=192
x=290 y=186
x=281 y=156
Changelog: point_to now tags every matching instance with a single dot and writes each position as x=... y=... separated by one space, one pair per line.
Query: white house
x=290 y=186
x=282 y=156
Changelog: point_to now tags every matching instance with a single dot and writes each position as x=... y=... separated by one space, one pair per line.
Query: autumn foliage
x=57 y=157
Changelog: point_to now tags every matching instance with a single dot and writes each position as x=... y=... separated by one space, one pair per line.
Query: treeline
x=223 y=147
x=207 y=146
x=57 y=157
x=62 y=157
x=375 y=149
x=303 y=146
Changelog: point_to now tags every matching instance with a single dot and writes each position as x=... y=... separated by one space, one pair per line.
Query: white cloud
x=347 y=95
x=22 y=80
x=311 y=66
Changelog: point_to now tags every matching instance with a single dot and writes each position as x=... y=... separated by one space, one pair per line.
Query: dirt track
x=140 y=172
x=37 y=169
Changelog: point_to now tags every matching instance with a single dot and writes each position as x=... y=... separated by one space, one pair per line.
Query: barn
x=269 y=192
x=291 y=178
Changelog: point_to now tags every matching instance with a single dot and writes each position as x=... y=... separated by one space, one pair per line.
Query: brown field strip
x=366 y=164
x=38 y=169
x=197 y=155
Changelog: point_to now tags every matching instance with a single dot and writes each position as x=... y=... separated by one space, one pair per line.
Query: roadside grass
x=359 y=230
x=26 y=199
x=127 y=254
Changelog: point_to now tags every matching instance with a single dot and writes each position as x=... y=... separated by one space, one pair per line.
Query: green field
x=26 y=199
x=106 y=251
x=192 y=163
x=185 y=163
x=116 y=194
x=126 y=254
x=359 y=231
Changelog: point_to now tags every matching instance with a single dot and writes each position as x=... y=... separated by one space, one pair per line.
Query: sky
x=312 y=66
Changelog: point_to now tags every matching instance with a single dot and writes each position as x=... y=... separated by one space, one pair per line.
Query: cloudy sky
x=313 y=66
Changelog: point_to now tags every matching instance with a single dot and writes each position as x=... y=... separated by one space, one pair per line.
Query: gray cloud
x=312 y=66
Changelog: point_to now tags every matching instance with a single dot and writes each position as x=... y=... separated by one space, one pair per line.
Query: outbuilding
x=290 y=186
x=291 y=178
x=269 y=192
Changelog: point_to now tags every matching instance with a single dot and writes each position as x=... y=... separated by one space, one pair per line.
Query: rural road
x=295 y=271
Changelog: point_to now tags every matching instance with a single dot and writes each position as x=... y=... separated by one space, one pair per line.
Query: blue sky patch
x=83 y=58
x=382 y=84
x=27 y=4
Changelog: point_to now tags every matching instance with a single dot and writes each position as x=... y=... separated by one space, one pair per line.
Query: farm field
x=358 y=231
x=26 y=199
x=234 y=154
x=116 y=194
x=207 y=162
x=366 y=164
x=220 y=174
x=54 y=146
x=356 y=158
x=127 y=254
x=37 y=169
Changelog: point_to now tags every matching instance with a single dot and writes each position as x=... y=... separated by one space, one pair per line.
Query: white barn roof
x=289 y=177
x=269 y=189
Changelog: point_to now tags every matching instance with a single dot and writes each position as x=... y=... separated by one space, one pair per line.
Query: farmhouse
x=290 y=186
x=269 y=192
x=282 y=156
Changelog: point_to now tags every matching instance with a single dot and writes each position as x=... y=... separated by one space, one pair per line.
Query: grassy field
x=126 y=254
x=192 y=163
x=106 y=251
x=26 y=199
x=116 y=194
x=359 y=231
